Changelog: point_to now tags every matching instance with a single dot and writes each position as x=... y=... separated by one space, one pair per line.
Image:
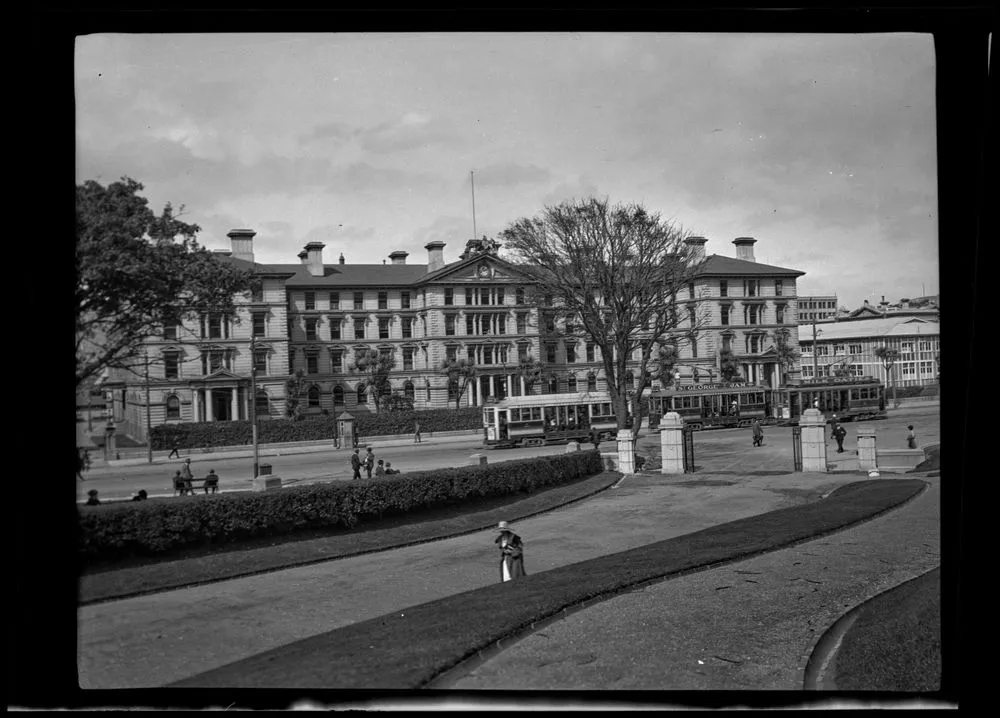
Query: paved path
x=749 y=625
x=153 y=640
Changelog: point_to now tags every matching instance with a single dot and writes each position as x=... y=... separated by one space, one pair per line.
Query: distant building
x=817 y=308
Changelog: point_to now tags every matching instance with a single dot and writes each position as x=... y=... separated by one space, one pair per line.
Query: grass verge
x=895 y=643
x=408 y=649
x=206 y=565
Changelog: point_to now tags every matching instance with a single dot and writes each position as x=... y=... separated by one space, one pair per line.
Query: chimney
x=744 y=248
x=435 y=256
x=341 y=258
x=314 y=260
x=399 y=256
x=697 y=248
x=242 y=243
x=904 y=303
x=304 y=257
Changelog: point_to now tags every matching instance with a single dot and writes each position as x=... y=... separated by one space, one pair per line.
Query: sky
x=821 y=147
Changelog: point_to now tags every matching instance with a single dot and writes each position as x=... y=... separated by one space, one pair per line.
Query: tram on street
x=838 y=398
x=548 y=419
x=716 y=405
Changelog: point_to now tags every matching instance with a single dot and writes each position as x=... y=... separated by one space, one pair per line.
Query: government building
x=316 y=317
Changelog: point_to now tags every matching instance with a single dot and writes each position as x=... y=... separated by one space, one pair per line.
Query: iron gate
x=797 y=446
x=688 y=442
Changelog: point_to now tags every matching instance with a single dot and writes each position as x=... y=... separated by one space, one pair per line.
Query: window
x=359 y=300
x=215 y=326
x=213 y=361
x=453 y=390
x=522 y=323
x=334 y=301
x=909 y=369
x=383 y=327
x=519 y=295
x=807 y=371
x=385 y=352
x=550 y=353
x=854 y=348
x=259 y=324
x=310 y=301
x=571 y=383
x=311 y=329
x=257 y=292
x=362 y=393
x=449 y=325
x=471 y=353
x=262 y=406
x=724 y=315
x=838 y=349
x=313 y=395
x=383 y=300
x=359 y=328
x=335 y=328
x=550 y=324
x=469 y=325
x=723 y=288
x=777 y=287
x=690 y=290
x=906 y=348
x=806 y=348
x=751 y=313
x=570 y=353
x=926 y=347
x=260 y=361
x=522 y=352
x=408 y=391
x=591 y=382
x=694 y=347
x=408 y=359
x=548 y=300
x=927 y=368
x=822 y=350
x=629 y=380
x=691 y=316
x=404 y=300
x=590 y=352
x=553 y=385
x=754 y=344
x=451 y=353
x=449 y=296
x=779 y=314
x=407 y=327
x=336 y=360
x=171 y=365
x=173 y=407
x=468 y=295
x=170 y=332
x=312 y=363
x=427 y=387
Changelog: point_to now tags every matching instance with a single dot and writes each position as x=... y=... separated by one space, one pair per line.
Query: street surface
x=160 y=638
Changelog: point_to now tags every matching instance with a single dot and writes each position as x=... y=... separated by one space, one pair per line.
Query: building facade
x=316 y=318
x=817 y=308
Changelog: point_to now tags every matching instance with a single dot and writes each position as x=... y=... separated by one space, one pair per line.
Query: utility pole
x=472 y=178
x=253 y=406
x=149 y=428
x=815 y=353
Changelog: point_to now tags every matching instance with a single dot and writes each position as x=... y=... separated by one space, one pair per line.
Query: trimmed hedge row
x=116 y=531
x=239 y=433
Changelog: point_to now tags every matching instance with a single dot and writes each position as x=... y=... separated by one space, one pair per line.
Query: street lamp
x=815 y=351
x=149 y=427
x=253 y=405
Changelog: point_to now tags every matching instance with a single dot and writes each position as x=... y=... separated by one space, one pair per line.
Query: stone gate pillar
x=813 y=441
x=626 y=452
x=671 y=443
x=866 y=449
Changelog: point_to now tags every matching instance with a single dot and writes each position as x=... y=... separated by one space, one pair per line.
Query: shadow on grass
x=411 y=648
x=208 y=564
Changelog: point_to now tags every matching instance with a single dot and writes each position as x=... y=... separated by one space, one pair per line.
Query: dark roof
x=718 y=265
x=356 y=275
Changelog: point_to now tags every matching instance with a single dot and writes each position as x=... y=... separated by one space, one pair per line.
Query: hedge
x=116 y=531
x=238 y=433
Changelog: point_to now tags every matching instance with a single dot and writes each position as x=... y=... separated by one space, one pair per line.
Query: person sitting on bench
x=180 y=484
x=211 y=481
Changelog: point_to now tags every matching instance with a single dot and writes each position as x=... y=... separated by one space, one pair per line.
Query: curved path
x=157 y=639
x=749 y=625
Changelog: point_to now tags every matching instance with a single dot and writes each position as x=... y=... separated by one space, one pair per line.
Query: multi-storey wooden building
x=317 y=317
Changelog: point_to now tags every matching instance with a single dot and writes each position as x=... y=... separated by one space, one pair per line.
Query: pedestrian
x=179 y=483
x=187 y=475
x=380 y=468
x=369 y=462
x=511 y=553
x=911 y=438
x=416 y=432
x=212 y=481
x=595 y=438
x=175 y=448
x=839 y=432
x=758 y=433
x=93 y=500
x=356 y=464
x=79 y=464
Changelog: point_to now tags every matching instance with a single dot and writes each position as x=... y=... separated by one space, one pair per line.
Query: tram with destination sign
x=548 y=419
x=838 y=398
x=715 y=406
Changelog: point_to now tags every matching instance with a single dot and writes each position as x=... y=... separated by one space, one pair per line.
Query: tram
x=715 y=406
x=839 y=398
x=548 y=419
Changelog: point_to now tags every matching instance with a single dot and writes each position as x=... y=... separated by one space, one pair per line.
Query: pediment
x=482 y=268
x=222 y=374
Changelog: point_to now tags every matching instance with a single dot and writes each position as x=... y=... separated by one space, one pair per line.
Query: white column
x=626 y=452
x=866 y=449
x=194 y=404
x=492 y=387
x=524 y=389
x=234 y=405
x=813 y=441
x=671 y=444
x=208 y=405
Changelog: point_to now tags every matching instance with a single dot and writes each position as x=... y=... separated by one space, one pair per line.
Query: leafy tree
x=888 y=357
x=613 y=273
x=784 y=351
x=460 y=373
x=842 y=368
x=137 y=272
x=666 y=361
x=530 y=370
x=375 y=366
x=295 y=388
x=398 y=403
x=729 y=367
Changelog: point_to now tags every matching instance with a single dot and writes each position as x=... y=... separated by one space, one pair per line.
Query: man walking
x=187 y=475
x=839 y=432
x=911 y=438
x=356 y=464
x=416 y=432
x=369 y=462
x=175 y=449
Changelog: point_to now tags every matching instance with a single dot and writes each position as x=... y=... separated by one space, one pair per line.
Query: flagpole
x=472 y=177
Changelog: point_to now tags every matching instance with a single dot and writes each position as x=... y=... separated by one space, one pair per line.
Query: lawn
x=209 y=564
x=410 y=648
x=895 y=642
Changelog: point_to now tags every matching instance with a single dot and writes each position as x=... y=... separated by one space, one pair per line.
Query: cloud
x=575 y=189
x=508 y=174
x=411 y=131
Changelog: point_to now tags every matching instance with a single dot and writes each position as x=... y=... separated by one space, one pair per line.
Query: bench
x=187 y=486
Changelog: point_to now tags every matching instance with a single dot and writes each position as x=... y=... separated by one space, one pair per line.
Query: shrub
x=115 y=531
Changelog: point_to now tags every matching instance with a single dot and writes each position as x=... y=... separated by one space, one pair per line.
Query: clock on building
x=484 y=270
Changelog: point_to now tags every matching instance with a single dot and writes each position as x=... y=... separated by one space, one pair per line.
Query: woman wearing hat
x=511 y=553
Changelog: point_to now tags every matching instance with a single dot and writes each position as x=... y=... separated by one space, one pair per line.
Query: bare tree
x=530 y=370
x=610 y=274
x=374 y=366
x=460 y=373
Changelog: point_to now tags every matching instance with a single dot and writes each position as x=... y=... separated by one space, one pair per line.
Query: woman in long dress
x=511 y=553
